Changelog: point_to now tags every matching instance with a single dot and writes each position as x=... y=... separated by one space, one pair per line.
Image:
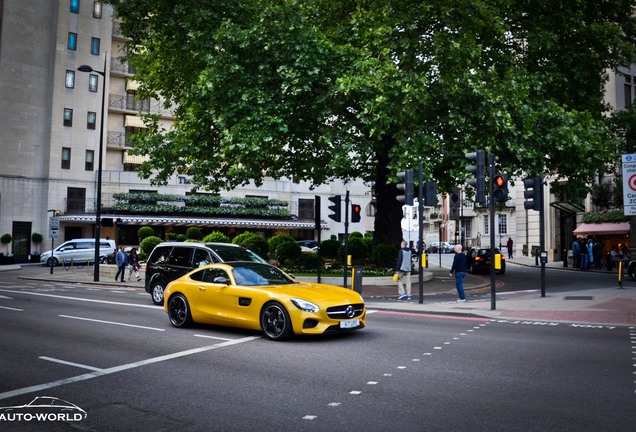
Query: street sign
x=629 y=184
x=54 y=227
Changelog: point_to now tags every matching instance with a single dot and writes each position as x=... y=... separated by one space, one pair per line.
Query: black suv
x=171 y=260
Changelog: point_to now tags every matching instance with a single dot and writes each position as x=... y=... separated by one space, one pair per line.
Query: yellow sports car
x=261 y=297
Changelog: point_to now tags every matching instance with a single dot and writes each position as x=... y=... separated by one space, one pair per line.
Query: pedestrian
x=121 y=260
x=403 y=268
x=583 y=254
x=576 y=253
x=459 y=267
x=133 y=260
x=509 y=245
x=590 y=253
x=598 y=254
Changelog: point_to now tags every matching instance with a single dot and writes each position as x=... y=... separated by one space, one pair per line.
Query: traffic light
x=500 y=188
x=407 y=187
x=430 y=194
x=532 y=193
x=335 y=208
x=355 y=212
x=479 y=170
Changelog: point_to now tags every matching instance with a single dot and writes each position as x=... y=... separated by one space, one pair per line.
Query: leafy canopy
x=318 y=90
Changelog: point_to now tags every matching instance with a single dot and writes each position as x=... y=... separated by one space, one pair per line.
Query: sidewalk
x=604 y=306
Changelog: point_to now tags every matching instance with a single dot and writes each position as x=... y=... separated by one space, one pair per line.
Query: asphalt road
x=112 y=353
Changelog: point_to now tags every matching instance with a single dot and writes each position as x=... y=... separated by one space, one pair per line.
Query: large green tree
x=319 y=90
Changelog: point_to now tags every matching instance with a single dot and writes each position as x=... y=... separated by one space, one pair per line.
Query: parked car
x=171 y=260
x=444 y=247
x=478 y=260
x=309 y=244
x=261 y=297
x=78 y=250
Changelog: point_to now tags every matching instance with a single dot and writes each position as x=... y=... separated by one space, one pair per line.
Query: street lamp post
x=98 y=199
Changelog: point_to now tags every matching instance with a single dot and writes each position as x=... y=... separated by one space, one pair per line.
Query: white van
x=79 y=250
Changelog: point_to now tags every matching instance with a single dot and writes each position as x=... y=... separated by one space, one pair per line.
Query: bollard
x=620 y=274
x=565 y=257
x=356 y=279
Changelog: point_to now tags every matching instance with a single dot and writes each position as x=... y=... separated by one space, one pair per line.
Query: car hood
x=321 y=292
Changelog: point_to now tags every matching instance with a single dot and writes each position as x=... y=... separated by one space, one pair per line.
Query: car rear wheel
x=275 y=322
x=156 y=292
x=179 y=311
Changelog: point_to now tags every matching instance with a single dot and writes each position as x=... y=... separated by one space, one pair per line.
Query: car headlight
x=305 y=306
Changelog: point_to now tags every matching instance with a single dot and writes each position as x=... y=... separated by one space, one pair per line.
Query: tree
x=343 y=89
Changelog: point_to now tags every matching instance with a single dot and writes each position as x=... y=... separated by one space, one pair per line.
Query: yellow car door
x=213 y=300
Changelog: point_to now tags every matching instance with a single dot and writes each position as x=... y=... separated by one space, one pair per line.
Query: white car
x=78 y=250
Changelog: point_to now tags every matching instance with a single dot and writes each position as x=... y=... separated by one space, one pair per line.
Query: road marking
x=84 y=299
x=111 y=322
x=211 y=337
x=115 y=369
x=64 y=362
x=10 y=308
x=5 y=297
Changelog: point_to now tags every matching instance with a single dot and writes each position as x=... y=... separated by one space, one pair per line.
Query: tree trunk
x=389 y=210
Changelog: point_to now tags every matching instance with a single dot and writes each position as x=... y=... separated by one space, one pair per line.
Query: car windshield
x=254 y=274
x=229 y=254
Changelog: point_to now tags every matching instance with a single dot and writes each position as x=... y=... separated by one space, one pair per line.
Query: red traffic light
x=500 y=181
x=355 y=212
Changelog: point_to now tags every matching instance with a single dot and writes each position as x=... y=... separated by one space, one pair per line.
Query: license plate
x=349 y=324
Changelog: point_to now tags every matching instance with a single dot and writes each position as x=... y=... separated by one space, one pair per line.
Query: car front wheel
x=157 y=292
x=51 y=262
x=179 y=311
x=275 y=322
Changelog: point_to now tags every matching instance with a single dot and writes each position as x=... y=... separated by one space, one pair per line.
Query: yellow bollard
x=620 y=274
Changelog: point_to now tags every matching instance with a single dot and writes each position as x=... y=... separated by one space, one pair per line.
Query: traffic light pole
x=346 y=245
x=420 y=236
x=491 y=208
x=542 y=235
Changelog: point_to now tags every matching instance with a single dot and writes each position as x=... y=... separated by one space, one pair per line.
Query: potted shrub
x=5 y=240
x=37 y=239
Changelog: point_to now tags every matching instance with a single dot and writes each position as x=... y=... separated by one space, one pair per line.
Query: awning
x=606 y=228
x=134 y=121
x=135 y=159
x=194 y=221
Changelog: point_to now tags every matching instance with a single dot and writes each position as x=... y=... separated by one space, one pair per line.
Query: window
x=486 y=224
x=70 y=79
x=628 y=91
x=93 y=81
x=68 y=117
x=76 y=200
x=97 y=9
x=66 y=158
x=503 y=224
x=75 y=6
x=95 y=46
x=89 y=162
x=72 y=41
x=305 y=208
x=90 y=120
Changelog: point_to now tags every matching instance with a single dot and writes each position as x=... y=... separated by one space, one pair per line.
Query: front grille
x=341 y=312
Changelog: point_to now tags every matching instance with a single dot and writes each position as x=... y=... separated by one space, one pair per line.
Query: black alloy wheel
x=275 y=322
x=179 y=311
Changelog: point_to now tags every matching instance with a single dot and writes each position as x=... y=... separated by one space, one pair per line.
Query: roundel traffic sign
x=632 y=182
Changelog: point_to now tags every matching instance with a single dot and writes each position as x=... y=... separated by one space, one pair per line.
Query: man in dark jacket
x=459 y=267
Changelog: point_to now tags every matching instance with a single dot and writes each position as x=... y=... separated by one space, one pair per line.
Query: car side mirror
x=221 y=280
